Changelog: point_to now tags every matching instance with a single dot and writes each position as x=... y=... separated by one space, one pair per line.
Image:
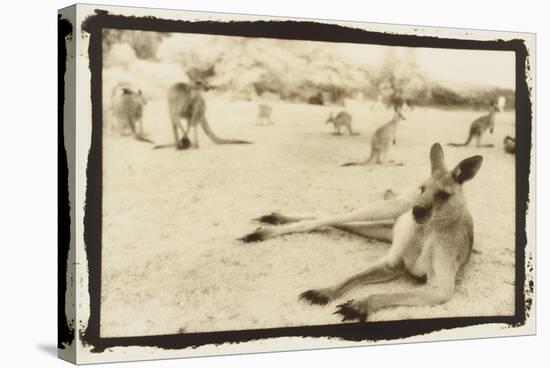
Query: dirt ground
x=171 y=259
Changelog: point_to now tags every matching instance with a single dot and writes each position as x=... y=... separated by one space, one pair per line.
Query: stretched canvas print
x=237 y=183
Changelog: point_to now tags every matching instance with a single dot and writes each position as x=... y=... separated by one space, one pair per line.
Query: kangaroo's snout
x=420 y=214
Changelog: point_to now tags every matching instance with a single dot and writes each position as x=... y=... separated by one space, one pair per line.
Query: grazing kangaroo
x=481 y=124
x=343 y=119
x=185 y=101
x=128 y=105
x=381 y=142
x=509 y=144
x=264 y=114
x=432 y=238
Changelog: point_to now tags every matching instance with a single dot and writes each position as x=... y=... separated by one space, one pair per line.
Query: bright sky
x=495 y=68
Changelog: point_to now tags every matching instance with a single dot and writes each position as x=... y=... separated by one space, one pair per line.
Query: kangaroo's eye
x=442 y=195
x=422 y=189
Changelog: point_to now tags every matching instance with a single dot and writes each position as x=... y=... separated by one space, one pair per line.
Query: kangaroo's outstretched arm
x=375 y=211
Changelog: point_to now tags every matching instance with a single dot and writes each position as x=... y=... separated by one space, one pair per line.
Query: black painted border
x=65 y=333
x=300 y=30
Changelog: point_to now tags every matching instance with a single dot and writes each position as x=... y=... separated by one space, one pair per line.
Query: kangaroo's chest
x=264 y=112
x=410 y=246
x=192 y=107
x=481 y=124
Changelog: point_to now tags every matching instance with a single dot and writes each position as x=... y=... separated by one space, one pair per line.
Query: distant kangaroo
x=127 y=103
x=481 y=124
x=509 y=144
x=432 y=238
x=185 y=101
x=342 y=119
x=264 y=114
x=381 y=142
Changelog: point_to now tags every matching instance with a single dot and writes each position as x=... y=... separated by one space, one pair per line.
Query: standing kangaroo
x=185 y=101
x=432 y=238
x=342 y=119
x=264 y=114
x=381 y=141
x=481 y=124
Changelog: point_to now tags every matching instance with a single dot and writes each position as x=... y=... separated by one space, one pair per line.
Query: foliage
x=296 y=71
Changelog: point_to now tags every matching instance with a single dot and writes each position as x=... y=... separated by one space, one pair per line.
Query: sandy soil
x=171 y=261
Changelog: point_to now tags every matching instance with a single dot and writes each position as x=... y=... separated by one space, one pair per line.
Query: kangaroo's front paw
x=274 y=218
x=183 y=144
x=351 y=310
x=259 y=234
x=316 y=296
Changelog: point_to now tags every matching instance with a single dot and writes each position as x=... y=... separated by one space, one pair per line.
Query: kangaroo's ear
x=437 y=158
x=467 y=169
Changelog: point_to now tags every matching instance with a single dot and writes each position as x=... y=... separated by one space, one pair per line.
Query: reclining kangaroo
x=431 y=232
x=185 y=101
x=481 y=124
x=381 y=141
x=342 y=119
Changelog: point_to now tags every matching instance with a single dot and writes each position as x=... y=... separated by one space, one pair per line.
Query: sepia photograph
x=208 y=137
x=358 y=188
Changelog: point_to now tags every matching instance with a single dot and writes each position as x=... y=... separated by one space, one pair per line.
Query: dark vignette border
x=65 y=333
x=298 y=30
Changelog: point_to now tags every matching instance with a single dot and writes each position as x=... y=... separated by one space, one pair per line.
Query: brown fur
x=381 y=142
x=509 y=144
x=264 y=114
x=342 y=119
x=479 y=127
x=431 y=231
x=128 y=103
x=185 y=101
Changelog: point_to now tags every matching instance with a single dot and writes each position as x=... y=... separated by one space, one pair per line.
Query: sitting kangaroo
x=127 y=104
x=509 y=144
x=431 y=231
x=342 y=119
x=381 y=141
x=481 y=124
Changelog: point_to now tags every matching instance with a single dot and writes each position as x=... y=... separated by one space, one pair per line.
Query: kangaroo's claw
x=259 y=234
x=314 y=297
x=350 y=312
x=273 y=218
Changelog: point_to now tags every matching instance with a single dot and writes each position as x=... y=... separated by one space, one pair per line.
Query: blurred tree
x=400 y=79
x=296 y=71
x=144 y=43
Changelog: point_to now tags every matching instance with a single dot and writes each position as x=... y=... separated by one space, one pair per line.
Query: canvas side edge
x=67 y=329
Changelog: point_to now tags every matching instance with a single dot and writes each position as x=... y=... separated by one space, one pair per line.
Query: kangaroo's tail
x=368 y=161
x=142 y=138
x=462 y=144
x=351 y=164
x=210 y=133
x=159 y=146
